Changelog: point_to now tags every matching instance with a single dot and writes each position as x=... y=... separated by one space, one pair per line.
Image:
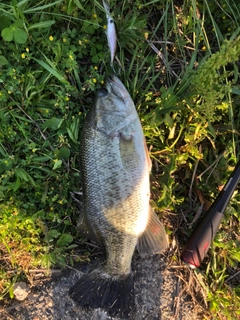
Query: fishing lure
x=111 y=32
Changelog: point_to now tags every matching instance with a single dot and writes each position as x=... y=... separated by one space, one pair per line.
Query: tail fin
x=97 y=290
x=154 y=239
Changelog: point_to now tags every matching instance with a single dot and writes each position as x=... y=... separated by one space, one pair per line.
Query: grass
x=180 y=64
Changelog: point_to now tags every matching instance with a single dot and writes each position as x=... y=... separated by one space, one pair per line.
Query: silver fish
x=111 y=32
x=115 y=167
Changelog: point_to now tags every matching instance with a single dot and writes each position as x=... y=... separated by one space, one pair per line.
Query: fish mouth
x=114 y=85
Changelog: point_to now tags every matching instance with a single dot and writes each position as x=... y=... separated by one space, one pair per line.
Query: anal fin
x=154 y=239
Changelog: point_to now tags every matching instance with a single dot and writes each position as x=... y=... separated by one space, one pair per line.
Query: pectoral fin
x=154 y=239
x=149 y=162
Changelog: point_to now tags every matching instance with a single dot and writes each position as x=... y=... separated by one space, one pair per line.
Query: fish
x=111 y=32
x=115 y=166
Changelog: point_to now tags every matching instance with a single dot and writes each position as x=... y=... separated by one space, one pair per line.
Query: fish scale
x=109 y=172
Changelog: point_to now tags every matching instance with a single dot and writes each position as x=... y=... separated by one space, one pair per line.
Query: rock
x=21 y=290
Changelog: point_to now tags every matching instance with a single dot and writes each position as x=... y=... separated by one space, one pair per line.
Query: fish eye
x=102 y=93
x=111 y=21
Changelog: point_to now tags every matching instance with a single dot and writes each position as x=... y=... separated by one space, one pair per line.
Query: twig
x=211 y=165
x=191 y=185
x=80 y=203
x=176 y=301
x=171 y=43
x=50 y=271
x=233 y=276
x=159 y=53
x=197 y=215
x=20 y=304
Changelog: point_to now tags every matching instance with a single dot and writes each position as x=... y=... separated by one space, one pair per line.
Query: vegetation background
x=180 y=62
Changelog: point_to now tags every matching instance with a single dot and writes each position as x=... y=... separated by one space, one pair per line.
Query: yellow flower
x=23 y=55
x=204 y=48
x=146 y=35
x=95 y=68
x=71 y=57
x=60 y=202
x=27 y=49
x=64 y=40
x=94 y=80
x=94 y=16
x=51 y=38
x=66 y=99
x=105 y=27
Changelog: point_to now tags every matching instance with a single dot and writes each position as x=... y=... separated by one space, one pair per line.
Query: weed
x=179 y=62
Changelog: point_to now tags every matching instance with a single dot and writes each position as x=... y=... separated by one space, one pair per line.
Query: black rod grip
x=201 y=238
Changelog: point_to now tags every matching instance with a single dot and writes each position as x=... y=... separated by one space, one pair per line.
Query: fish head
x=113 y=108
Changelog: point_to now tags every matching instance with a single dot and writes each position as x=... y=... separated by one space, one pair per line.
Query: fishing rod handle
x=201 y=238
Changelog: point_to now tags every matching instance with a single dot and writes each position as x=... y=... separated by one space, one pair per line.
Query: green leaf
x=235 y=90
x=1 y=196
x=11 y=293
x=54 y=72
x=5 y=21
x=70 y=7
x=3 y=151
x=54 y=123
x=64 y=240
x=7 y=34
x=63 y=153
x=23 y=175
x=43 y=24
x=20 y=36
x=52 y=234
x=41 y=159
x=78 y=4
x=95 y=59
x=42 y=8
x=73 y=130
x=3 y=61
x=16 y=185
x=93 y=51
x=57 y=164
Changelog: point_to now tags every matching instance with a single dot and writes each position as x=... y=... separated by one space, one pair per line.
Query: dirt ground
x=163 y=290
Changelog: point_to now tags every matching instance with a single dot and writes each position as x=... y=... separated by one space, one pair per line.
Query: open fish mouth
x=115 y=86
